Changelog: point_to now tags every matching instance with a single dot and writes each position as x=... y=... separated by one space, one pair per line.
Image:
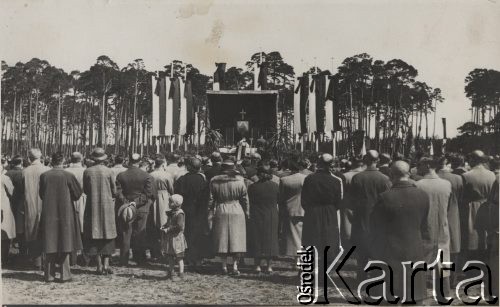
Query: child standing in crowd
x=173 y=242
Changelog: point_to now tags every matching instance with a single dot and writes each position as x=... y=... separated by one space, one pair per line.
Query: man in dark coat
x=17 y=200
x=59 y=223
x=399 y=224
x=194 y=189
x=134 y=185
x=366 y=187
x=321 y=198
x=215 y=170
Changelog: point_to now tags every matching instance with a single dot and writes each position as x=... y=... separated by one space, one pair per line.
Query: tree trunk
x=13 y=125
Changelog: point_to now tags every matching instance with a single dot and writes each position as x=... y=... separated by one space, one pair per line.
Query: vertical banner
x=155 y=107
x=444 y=127
x=183 y=109
x=312 y=106
x=169 y=107
x=296 y=107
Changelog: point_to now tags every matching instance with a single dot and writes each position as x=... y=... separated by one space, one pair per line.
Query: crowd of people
x=191 y=208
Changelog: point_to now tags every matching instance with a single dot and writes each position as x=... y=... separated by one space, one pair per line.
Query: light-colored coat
x=32 y=200
x=453 y=209
x=439 y=191
x=8 y=221
x=77 y=170
x=228 y=202
x=477 y=187
x=99 y=185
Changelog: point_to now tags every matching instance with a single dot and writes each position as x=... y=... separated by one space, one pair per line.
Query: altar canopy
x=230 y=109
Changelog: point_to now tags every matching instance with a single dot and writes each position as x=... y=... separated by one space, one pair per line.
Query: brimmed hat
x=227 y=165
x=98 y=154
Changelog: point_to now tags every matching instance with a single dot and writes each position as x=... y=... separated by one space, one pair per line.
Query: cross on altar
x=243 y=114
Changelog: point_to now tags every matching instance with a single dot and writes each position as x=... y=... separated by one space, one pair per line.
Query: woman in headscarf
x=263 y=196
x=228 y=206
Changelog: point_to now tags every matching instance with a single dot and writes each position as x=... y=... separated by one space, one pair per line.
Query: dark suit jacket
x=321 y=198
x=136 y=185
x=399 y=226
x=366 y=187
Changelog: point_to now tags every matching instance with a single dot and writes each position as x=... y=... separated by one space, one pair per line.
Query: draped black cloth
x=319 y=88
x=331 y=94
x=303 y=87
x=161 y=91
x=175 y=94
x=188 y=94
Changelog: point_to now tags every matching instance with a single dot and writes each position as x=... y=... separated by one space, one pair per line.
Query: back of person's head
x=371 y=157
x=356 y=163
x=118 y=160
x=325 y=161
x=57 y=158
x=34 y=154
x=216 y=157
x=385 y=158
x=442 y=162
x=159 y=161
x=477 y=157
x=193 y=165
x=170 y=157
x=264 y=171
x=17 y=160
x=135 y=158
x=76 y=157
x=457 y=161
x=204 y=160
x=400 y=169
x=495 y=163
x=428 y=163
x=273 y=163
x=285 y=164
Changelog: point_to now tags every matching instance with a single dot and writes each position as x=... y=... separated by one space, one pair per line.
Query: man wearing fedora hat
x=135 y=185
x=99 y=226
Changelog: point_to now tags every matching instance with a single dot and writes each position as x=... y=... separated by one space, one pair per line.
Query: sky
x=443 y=40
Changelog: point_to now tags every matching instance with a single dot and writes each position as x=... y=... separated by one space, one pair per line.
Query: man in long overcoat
x=99 y=219
x=321 y=198
x=439 y=191
x=399 y=224
x=290 y=208
x=33 y=205
x=59 y=221
x=456 y=181
x=366 y=187
x=477 y=187
x=135 y=185
x=194 y=189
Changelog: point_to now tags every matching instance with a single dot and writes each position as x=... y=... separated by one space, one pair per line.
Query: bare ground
x=147 y=285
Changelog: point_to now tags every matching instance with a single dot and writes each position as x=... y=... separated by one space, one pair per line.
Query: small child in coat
x=173 y=242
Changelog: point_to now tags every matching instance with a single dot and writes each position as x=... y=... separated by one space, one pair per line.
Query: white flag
x=312 y=107
x=170 y=109
x=155 y=109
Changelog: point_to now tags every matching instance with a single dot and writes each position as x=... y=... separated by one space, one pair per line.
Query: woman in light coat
x=227 y=208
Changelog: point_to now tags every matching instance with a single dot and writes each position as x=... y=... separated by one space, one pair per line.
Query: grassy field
x=147 y=285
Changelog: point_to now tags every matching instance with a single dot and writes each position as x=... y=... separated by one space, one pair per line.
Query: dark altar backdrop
x=260 y=107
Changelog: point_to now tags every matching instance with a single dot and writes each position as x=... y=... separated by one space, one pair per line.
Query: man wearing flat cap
x=135 y=185
x=366 y=187
x=321 y=197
